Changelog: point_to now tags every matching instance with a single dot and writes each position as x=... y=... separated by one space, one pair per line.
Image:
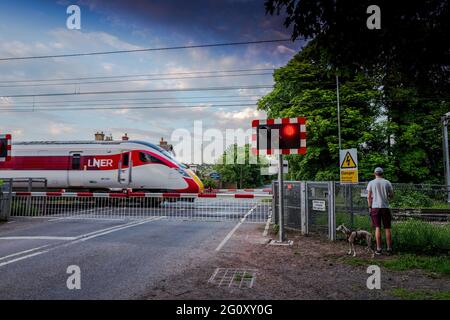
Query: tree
x=412 y=40
x=407 y=59
x=306 y=87
x=246 y=174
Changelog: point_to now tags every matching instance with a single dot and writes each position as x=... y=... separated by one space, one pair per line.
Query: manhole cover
x=233 y=278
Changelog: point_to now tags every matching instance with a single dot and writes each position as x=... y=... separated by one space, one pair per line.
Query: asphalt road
x=118 y=259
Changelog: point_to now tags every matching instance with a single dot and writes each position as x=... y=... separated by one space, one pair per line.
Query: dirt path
x=312 y=268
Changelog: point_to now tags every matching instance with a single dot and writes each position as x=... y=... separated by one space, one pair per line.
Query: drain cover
x=233 y=278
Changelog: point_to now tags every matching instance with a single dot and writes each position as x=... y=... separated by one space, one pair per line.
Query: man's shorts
x=379 y=215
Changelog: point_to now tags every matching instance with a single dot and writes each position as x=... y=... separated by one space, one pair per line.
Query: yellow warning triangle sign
x=348 y=162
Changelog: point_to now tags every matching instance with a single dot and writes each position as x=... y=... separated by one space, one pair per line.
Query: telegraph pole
x=445 y=120
x=338 y=112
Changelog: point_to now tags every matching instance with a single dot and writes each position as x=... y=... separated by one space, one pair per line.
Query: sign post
x=281 y=196
x=279 y=137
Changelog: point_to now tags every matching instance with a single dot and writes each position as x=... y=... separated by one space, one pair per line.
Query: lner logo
x=99 y=163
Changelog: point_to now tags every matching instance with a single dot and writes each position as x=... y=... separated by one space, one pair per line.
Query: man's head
x=378 y=171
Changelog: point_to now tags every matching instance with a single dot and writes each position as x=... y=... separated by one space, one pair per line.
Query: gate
x=308 y=206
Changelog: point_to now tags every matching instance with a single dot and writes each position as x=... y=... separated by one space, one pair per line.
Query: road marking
x=230 y=234
x=22 y=252
x=37 y=238
x=23 y=257
x=83 y=237
x=97 y=234
x=266 y=229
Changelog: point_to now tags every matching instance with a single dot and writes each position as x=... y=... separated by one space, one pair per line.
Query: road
x=118 y=259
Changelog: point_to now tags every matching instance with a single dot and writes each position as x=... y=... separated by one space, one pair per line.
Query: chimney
x=125 y=137
x=99 y=136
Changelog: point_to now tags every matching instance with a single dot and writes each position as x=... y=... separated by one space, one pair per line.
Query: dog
x=353 y=235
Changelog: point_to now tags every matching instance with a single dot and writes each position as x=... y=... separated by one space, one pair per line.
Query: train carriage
x=100 y=165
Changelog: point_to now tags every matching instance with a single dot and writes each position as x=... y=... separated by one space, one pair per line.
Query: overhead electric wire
x=142 y=99
x=143 y=107
x=145 y=50
x=140 y=75
x=131 y=80
x=124 y=104
x=139 y=91
x=139 y=99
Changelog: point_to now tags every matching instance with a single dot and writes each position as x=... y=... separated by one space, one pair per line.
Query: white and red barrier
x=142 y=195
x=251 y=207
x=265 y=190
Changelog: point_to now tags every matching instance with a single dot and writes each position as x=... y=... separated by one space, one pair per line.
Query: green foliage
x=209 y=183
x=401 y=262
x=411 y=236
x=392 y=124
x=420 y=294
x=238 y=165
x=411 y=199
x=421 y=237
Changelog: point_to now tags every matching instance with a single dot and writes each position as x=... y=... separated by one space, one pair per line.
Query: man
x=379 y=191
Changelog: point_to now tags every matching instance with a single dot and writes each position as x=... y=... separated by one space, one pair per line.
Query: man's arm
x=390 y=191
x=369 y=199
x=369 y=196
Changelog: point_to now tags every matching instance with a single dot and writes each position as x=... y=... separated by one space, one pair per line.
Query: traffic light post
x=281 y=196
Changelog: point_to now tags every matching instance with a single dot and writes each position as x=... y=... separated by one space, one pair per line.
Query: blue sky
x=39 y=28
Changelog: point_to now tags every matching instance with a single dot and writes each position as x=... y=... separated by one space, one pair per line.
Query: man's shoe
x=378 y=252
x=389 y=251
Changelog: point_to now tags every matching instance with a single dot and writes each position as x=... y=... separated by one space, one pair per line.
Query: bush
x=411 y=199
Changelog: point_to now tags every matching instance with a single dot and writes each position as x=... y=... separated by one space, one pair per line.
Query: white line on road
x=230 y=234
x=23 y=257
x=37 y=238
x=77 y=239
x=22 y=252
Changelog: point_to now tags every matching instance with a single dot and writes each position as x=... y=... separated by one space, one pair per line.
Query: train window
x=76 y=161
x=126 y=159
x=145 y=157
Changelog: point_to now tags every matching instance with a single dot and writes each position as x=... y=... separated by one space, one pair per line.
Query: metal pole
x=338 y=112
x=446 y=154
x=281 y=196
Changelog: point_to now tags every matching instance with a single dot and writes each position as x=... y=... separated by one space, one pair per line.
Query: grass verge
x=439 y=265
x=420 y=294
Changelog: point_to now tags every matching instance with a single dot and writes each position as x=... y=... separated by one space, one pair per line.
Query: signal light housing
x=279 y=136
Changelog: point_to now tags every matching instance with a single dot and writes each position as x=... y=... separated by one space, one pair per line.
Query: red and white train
x=96 y=165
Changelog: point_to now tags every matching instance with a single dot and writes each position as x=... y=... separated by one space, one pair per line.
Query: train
x=100 y=165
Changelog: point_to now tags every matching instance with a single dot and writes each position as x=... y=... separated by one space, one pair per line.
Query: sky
x=33 y=28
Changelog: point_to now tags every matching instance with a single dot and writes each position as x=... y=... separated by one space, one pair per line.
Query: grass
x=420 y=294
x=410 y=236
x=435 y=264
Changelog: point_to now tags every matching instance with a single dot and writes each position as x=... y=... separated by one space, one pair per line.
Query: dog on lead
x=353 y=235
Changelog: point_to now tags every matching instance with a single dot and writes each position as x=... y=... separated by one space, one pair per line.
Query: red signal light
x=289 y=130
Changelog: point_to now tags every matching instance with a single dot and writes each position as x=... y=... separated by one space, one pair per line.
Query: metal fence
x=317 y=207
x=419 y=201
x=211 y=207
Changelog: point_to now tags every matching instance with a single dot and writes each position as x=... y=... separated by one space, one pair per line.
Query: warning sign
x=349 y=162
x=349 y=166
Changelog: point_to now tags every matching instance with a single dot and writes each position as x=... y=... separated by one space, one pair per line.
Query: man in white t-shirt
x=379 y=191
